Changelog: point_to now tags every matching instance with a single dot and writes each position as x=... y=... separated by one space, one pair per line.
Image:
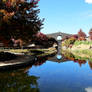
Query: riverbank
x=24 y=56
x=79 y=46
x=80 y=49
x=31 y=51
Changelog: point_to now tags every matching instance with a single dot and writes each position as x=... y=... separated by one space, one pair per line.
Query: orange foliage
x=81 y=38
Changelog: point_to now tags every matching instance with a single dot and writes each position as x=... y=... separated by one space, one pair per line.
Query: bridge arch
x=59 y=35
x=59 y=38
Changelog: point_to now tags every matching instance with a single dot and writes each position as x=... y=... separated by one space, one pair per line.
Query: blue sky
x=66 y=15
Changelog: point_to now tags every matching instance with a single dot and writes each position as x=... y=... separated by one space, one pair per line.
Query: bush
x=42 y=40
x=68 y=42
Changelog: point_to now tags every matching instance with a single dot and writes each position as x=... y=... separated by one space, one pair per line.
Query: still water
x=49 y=74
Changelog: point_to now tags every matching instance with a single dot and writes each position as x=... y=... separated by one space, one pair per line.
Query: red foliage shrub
x=81 y=38
x=43 y=40
x=41 y=36
x=8 y=4
x=75 y=36
x=66 y=37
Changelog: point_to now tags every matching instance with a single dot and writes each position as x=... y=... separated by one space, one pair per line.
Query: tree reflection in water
x=77 y=59
x=90 y=64
x=40 y=60
x=18 y=81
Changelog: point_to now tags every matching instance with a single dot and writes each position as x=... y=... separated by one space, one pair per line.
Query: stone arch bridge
x=58 y=34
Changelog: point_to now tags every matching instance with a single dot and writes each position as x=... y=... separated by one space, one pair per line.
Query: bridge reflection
x=59 y=56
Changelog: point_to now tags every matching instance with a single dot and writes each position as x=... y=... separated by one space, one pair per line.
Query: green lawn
x=76 y=43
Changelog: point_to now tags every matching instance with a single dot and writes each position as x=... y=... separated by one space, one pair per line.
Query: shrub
x=68 y=42
x=43 y=40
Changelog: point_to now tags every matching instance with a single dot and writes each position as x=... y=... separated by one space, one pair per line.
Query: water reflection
x=40 y=61
x=59 y=56
x=62 y=77
x=89 y=89
x=71 y=74
x=18 y=81
x=90 y=64
x=77 y=59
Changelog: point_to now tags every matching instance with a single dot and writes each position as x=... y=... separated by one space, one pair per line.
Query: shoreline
x=25 y=60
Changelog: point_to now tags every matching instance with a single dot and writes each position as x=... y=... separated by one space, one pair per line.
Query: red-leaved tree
x=19 y=19
x=43 y=40
x=81 y=35
x=90 y=34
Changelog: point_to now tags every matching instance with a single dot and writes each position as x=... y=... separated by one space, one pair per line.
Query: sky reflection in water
x=63 y=77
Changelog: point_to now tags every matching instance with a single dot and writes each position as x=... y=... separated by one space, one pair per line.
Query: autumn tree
x=90 y=34
x=19 y=19
x=81 y=35
x=43 y=40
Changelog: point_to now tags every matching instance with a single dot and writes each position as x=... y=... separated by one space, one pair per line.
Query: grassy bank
x=76 y=43
x=39 y=52
x=84 y=46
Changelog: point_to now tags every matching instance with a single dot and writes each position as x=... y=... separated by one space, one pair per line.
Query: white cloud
x=90 y=15
x=88 y=1
x=89 y=89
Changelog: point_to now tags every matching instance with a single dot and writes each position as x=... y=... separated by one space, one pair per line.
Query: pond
x=49 y=74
